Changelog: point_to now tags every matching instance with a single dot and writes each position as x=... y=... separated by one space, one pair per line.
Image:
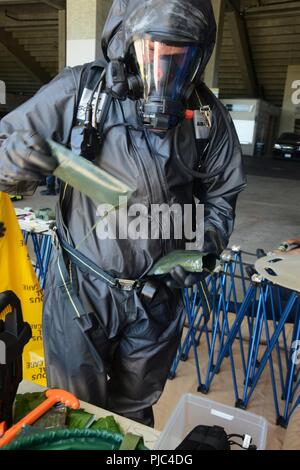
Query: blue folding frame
x=266 y=317
x=42 y=245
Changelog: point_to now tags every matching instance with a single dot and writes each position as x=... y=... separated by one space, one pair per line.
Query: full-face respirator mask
x=158 y=73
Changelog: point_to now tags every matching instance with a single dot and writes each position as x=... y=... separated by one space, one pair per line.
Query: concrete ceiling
x=273 y=32
x=29 y=36
x=29 y=45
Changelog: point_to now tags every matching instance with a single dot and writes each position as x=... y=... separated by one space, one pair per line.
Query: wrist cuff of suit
x=23 y=188
x=213 y=242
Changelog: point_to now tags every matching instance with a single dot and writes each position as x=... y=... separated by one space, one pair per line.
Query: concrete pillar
x=85 y=21
x=291 y=101
x=62 y=40
x=211 y=76
x=2 y=92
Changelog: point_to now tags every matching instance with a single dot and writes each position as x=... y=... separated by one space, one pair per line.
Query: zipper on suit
x=162 y=180
x=144 y=171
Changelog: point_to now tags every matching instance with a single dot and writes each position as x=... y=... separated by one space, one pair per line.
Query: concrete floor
x=267 y=213
x=268 y=210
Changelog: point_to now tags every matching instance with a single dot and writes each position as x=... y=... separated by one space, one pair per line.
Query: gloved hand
x=31 y=154
x=180 y=278
x=2 y=229
x=294 y=241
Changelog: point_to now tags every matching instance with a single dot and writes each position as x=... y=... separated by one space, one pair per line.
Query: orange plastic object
x=3 y=428
x=53 y=397
x=189 y=114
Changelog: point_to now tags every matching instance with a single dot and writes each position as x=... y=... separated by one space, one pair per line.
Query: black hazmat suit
x=111 y=346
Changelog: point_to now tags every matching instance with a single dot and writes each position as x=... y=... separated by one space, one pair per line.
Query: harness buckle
x=127 y=284
x=54 y=237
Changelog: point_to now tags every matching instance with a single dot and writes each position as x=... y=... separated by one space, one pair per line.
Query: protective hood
x=188 y=21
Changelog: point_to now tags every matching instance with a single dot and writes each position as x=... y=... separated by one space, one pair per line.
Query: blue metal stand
x=264 y=314
x=223 y=295
x=292 y=401
x=42 y=245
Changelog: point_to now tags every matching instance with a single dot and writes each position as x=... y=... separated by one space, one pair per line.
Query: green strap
x=130 y=442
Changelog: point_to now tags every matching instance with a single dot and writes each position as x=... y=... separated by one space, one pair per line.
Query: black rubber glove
x=29 y=152
x=179 y=278
x=2 y=230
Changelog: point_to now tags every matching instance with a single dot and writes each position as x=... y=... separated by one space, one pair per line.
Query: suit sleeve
x=219 y=193
x=50 y=113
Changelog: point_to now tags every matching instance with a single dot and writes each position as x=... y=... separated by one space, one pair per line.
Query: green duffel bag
x=77 y=439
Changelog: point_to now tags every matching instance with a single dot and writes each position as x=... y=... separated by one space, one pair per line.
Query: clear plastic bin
x=193 y=411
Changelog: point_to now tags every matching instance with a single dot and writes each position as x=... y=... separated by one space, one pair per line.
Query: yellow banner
x=17 y=275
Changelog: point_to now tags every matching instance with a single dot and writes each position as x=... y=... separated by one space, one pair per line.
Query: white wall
x=85 y=21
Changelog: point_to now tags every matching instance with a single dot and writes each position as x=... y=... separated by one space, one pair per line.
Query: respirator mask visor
x=167 y=70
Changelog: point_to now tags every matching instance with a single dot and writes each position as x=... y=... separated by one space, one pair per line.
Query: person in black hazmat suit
x=108 y=340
